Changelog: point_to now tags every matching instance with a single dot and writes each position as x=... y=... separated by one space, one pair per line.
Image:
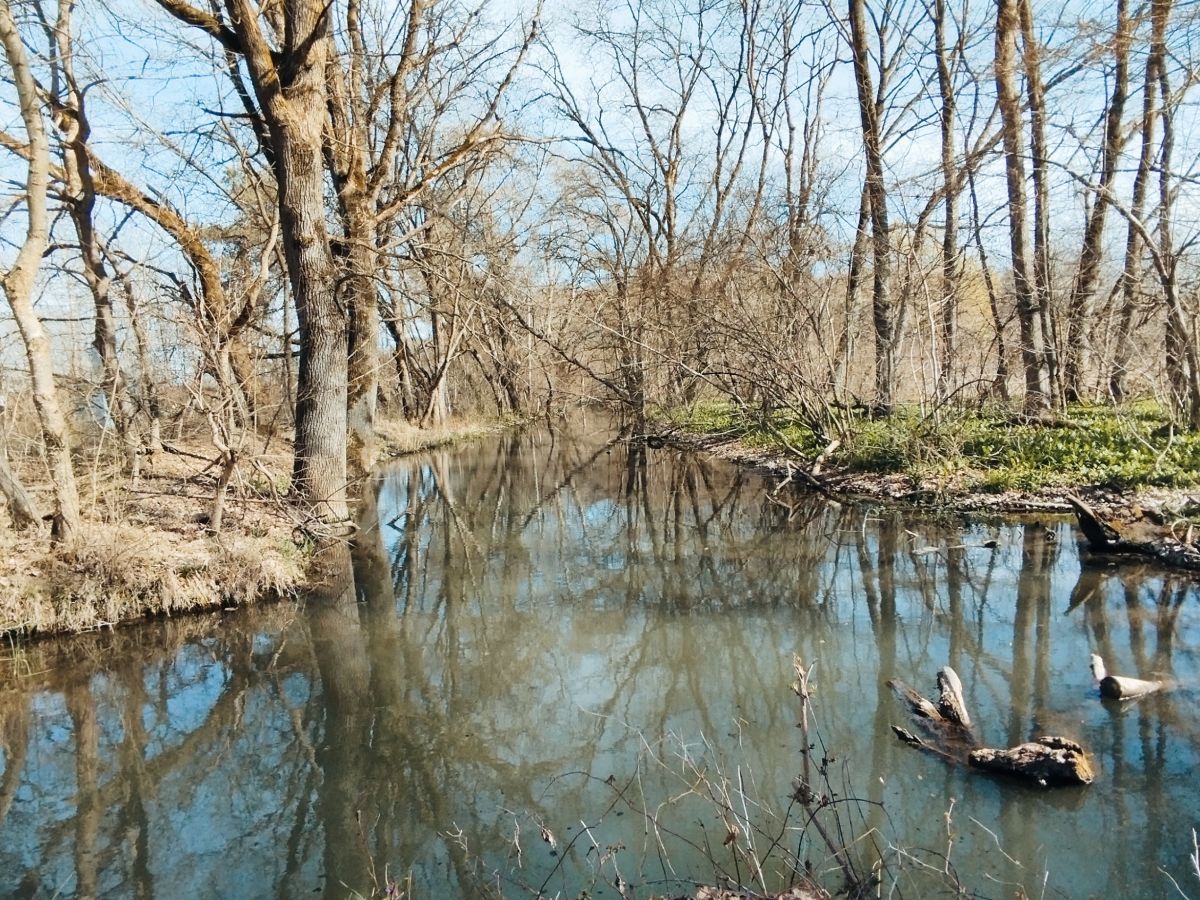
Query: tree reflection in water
x=526 y=617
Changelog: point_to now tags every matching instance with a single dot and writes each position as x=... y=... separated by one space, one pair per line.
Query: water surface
x=558 y=630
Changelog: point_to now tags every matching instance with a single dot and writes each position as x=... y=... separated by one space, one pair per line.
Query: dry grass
x=398 y=438
x=145 y=548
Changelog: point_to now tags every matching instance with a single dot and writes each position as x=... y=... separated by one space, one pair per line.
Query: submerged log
x=1147 y=535
x=1046 y=760
x=807 y=892
x=1120 y=687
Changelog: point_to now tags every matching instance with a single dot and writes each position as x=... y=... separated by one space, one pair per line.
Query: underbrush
x=987 y=449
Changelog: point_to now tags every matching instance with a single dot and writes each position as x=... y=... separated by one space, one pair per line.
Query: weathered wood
x=1120 y=687
x=1147 y=535
x=947 y=723
x=1046 y=760
x=804 y=892
x=950 y=701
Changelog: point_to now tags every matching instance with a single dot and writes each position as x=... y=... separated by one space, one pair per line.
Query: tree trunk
x=950 y=278
x=18 y=286
x=289 y=84
x=883 y=316
x=1131 y=273
x=1007 y=21
x=20 y=507
x=81 y=202
x=1078 y=346
x=1041 y=275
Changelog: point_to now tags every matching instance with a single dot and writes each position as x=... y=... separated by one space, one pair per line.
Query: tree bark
x=81 y=202
x=883 y=316
x=18 y=287
x=1131 y=272
x=1032 y=361
x=950 y=181
x=1042 y=283
x=289 y=85
x=1078 y=345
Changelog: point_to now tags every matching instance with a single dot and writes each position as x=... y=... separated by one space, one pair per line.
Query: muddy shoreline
x=840 y=483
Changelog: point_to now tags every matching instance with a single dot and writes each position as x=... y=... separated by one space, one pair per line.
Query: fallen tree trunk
x=1046 y=760
x=1142 y=537
x=1121 y=687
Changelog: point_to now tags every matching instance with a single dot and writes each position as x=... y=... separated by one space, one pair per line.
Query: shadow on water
x=523 y=619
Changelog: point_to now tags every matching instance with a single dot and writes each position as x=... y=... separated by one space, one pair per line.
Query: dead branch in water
x=947 y=724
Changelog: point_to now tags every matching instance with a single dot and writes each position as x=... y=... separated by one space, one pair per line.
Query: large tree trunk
x=18 y=286
x=1078 y=345
x=883 y=316
x=289 y=84
x=1007 y=26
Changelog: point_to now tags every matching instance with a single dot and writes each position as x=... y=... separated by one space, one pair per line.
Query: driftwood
x=1047 y=760
x=947 y=725
x=1120 y=687
x=795 y=893
x=1146 y=533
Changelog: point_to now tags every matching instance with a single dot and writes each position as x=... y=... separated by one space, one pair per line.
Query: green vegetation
x=988 y=450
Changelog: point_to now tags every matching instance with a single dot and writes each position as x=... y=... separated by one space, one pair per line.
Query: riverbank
x=145 y=549
x=967 y=463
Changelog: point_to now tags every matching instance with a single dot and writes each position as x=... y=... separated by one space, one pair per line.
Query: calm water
x=558 y=631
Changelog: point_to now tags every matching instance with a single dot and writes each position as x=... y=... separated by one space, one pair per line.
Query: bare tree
x=1008 y=17
x=19 y=280
x=883 y=316
x=285 y=51
x=1078 y=342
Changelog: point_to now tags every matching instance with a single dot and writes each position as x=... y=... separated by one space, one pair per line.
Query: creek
x=560 y=631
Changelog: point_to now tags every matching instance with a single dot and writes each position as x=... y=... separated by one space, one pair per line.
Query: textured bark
x=1032 y=362
x=1046 y=760
x=883 y=316
x=1079 y=313
x=950 y=182
x=1132 y=270
x=1035 y=92
x=289 y=86
x=1183 y=363
x=18 y=287
x=147 y=388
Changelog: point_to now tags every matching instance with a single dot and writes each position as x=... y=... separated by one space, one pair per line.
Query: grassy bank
x=146 y=550
x=984 y=452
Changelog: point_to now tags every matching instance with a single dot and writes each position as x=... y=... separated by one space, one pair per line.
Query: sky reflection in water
x=541 y=611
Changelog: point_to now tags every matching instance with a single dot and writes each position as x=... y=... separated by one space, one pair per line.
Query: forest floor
x=145 y=548
x=983 y=460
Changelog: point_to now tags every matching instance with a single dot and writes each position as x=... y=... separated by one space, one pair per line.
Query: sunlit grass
x=1128 y=447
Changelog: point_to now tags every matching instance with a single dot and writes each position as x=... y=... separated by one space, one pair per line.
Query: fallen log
x=1046 y=760
x=1120 y=687
x=794 y=893
x=1146 y=535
